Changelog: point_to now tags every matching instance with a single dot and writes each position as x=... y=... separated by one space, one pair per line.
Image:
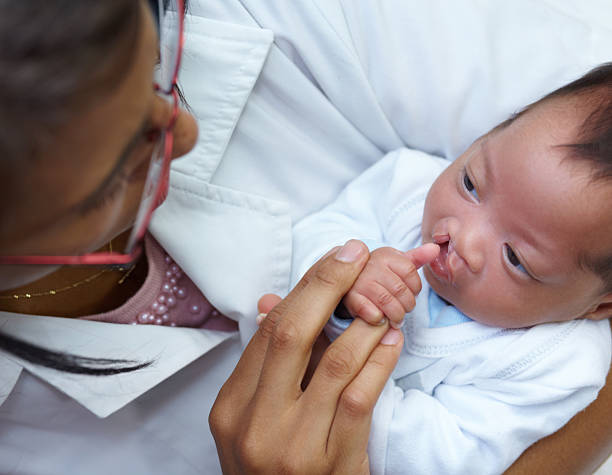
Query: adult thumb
x=423 y=254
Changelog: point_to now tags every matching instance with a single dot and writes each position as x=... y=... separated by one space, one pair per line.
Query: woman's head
x=78 y=123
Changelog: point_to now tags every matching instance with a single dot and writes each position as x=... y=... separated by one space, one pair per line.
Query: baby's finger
x=408 y=273
x=267 y=302
x=385 y=301
x=407 y=268
x=423 y=254
x=403 y=290
x=360 y=306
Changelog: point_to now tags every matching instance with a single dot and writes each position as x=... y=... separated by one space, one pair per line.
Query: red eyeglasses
x=171 y=23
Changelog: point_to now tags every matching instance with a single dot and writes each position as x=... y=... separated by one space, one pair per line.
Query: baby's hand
x=388 y=284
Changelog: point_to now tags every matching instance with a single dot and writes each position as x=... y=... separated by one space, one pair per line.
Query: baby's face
x=512 y=219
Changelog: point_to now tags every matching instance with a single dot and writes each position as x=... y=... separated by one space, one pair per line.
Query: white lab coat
x=283 y=127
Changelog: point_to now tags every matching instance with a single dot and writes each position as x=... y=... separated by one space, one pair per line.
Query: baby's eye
x=469 y=186
x=514 y=260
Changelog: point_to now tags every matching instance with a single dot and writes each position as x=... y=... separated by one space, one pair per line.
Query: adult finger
x=291 y=328
x=351 y=426
x=341 y=362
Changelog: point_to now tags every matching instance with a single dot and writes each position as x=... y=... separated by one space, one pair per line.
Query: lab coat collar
x=220 y=65
x=226 y=61
x=235 y=246
x=169 y=350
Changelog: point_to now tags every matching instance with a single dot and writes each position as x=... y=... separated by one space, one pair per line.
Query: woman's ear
x=602 y=310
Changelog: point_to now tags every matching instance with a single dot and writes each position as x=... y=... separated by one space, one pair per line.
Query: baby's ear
x=601 y=311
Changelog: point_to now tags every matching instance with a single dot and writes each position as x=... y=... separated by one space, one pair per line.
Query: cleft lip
x=440 y=238
x=440 y=265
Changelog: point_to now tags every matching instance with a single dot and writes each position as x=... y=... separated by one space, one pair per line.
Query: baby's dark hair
x=593 y=142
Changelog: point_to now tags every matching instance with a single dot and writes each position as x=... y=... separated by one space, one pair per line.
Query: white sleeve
x=481 y=424
x=355 y=214
x=368 y=208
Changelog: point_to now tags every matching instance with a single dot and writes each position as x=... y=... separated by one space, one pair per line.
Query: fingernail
x=382 y=321
x=260 y=318
x=397 y=325
x=391 y=337
x=350 y=252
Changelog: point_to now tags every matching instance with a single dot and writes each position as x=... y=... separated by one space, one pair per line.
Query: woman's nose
x=185 y=133
x=185 y=128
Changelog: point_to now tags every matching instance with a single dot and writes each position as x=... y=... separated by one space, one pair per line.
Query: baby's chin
x=474 y=313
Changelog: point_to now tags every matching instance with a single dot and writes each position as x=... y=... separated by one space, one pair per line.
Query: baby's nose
x=470 y=245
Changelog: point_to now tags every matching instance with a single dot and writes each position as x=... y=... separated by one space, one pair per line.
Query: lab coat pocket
x=233 y=245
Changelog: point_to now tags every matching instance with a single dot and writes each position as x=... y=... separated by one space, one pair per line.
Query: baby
x=506 y=337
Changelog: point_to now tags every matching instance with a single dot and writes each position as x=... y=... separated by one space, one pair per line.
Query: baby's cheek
x=498 y=307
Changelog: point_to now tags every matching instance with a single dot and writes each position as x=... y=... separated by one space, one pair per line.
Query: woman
x=164 y=430
x=96 y=120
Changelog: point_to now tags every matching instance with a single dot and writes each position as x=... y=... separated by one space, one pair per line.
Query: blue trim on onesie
x=441 y=314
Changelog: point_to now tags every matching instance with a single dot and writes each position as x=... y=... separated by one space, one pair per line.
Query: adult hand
x=262 y=420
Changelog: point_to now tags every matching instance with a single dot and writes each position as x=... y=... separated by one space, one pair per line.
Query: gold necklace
x=87 y=280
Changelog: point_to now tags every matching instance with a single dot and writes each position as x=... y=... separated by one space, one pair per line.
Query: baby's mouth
x=439 y=266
